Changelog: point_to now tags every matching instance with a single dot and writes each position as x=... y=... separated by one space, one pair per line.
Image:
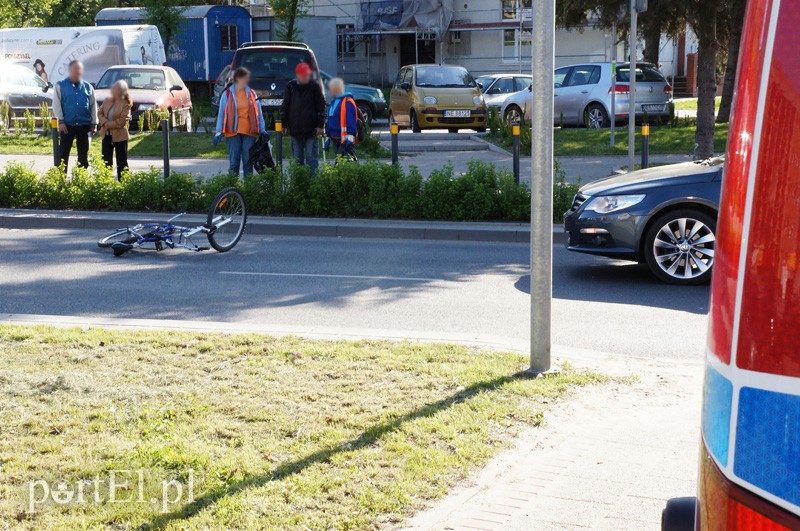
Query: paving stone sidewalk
x=608 y=458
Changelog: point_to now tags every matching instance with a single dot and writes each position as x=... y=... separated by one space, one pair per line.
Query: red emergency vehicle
x=750 y=459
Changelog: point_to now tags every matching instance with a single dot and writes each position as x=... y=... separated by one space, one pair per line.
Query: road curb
x=276 y=226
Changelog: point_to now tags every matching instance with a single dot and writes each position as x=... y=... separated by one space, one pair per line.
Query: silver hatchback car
x=583 y=95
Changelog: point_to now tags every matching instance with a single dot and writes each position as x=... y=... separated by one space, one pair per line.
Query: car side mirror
x=494 y=91
x=557 y=85
x=405 y=86
x=530 y=88
x=47 y=87
x=175 y=87
x=480 y=86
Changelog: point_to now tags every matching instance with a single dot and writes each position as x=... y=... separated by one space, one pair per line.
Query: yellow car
x=437 y=97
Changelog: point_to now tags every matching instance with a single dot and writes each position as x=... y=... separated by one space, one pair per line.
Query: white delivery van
x=48 y=51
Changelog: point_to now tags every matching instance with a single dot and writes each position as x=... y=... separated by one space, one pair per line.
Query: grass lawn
x=150 y=145
x=663 y=140
x=268 y=433
x=690 y=104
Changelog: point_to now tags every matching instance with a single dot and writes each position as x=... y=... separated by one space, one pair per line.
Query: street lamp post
x=543 y=64
x=632 y=89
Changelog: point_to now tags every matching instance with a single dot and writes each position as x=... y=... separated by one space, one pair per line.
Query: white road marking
x=317 y=275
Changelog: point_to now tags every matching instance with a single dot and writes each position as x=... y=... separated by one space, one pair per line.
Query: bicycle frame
x=161 y=234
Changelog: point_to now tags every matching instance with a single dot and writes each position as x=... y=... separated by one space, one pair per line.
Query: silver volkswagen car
x=583 y=95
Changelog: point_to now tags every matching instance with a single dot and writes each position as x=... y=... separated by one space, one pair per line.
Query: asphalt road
x=414 y=286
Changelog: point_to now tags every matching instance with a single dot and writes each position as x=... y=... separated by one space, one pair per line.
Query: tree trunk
x=706 y=92
x=729 y=81
x=652 y=39
x=290 y=21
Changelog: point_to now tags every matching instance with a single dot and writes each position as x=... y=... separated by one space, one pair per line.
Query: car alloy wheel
x=684 y=248
x=595 y=118
x=513 y=115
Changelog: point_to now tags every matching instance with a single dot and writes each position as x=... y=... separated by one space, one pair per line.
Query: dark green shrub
x=142 y=190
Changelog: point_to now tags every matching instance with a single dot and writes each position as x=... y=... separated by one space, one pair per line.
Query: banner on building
x=387 y=15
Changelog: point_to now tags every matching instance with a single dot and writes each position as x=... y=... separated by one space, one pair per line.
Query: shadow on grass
x=366 y=439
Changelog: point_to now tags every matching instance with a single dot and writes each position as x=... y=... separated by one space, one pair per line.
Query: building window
x=516 y=9
x=345 y=40
x=516 y=45
x=230 y=37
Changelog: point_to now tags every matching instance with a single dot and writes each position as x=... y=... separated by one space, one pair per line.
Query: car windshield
x=444 y=76
x=275 y=64
x=484 y=82
x=136 y=78
x=647 y=73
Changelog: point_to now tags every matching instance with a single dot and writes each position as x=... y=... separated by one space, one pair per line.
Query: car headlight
x=612 y=203
x=146 y=106
x=380 y=94
x=430 y=100
x=477 y=100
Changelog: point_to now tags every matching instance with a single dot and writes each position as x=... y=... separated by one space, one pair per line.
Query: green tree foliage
x=166 y=15
x=286 y=13
x=76 y=12
x=23 y=13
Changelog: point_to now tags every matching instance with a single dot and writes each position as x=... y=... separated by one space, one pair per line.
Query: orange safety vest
x=230 y=112
x=343 y=119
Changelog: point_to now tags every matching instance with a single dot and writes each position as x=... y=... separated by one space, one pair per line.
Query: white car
x=497 y=87
x=583 y=96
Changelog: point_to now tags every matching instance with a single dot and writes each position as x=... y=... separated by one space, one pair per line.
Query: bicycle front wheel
x=227 y=219
x=120 y=236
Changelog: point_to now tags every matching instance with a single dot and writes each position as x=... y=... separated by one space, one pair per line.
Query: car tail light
x=620 y=89
x=723 y=505
x=668 y=89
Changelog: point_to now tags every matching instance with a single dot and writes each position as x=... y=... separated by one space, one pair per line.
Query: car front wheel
x=679 y=247
x=366 y=112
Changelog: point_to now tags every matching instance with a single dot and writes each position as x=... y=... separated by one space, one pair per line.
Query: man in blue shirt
x=75 y=107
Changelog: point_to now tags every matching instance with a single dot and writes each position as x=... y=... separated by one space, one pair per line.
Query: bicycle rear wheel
x=227 y=219
x=120 y=236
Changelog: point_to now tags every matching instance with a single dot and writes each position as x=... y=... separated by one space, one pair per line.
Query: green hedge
x=366 y=190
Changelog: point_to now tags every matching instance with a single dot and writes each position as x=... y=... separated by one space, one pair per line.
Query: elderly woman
x=342 y=124
x=113 y=118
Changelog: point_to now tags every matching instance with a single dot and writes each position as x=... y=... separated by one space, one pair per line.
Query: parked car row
x=583 y=93
x=151 y=87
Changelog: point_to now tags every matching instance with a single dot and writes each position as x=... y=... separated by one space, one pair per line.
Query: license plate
x=653 y=108
x=457 y=114
x=271 y=103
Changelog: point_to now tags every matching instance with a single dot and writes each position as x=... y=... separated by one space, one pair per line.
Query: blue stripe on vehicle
x=768 y=442
x=717 y=395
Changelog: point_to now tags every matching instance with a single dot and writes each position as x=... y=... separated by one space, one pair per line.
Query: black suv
x=272 y=65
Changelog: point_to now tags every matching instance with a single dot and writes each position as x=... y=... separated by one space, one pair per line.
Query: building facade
x=377 y=37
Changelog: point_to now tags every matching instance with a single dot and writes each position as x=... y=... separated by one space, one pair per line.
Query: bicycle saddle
x=121 y=248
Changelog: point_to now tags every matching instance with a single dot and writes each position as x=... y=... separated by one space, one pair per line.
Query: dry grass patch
x=271 y=433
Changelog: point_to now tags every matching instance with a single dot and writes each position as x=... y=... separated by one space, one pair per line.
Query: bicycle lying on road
x=226 y=222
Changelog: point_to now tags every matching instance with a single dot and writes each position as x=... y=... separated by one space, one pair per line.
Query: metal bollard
x=279 y=144
x=165 y=139
x=56 y=150
x=515 y=131
x=645 y=146
x=395 y=130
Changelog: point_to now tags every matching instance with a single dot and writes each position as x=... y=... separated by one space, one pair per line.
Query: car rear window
x=444 y=76
x=277 y=64
x=136 y=78
x=647 y=73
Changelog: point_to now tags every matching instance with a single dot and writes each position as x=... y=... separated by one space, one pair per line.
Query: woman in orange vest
x=240 y=121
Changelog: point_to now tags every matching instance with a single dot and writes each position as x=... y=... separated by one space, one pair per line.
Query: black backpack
x=260 y=154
